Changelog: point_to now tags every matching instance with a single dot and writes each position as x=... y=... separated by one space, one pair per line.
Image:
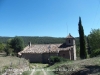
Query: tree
x=94 y=39
x=88 y=46
x=17 y=44
x=1 y=47
x=83 y=52
x=8 y=50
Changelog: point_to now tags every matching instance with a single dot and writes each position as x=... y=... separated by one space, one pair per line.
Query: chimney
x=29 y=44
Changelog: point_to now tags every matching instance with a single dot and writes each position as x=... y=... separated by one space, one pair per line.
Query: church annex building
x=41 y=52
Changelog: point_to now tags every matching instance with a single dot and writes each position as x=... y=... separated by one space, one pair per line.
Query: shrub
x=9 y=51
x=55 y=59
x=4 y=69
x=95 y=53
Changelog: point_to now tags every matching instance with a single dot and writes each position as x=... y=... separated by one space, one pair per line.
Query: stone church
x=42 y=52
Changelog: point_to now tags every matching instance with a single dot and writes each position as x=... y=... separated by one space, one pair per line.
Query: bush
x=4 y=69
x=9 y=51
x=95 y=53
x=55 y=59
x=17 y=44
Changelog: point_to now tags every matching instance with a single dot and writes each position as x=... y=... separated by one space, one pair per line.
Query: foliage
x=4 y=39
x=1 y=47
x=8 y=49
x=4 y=68
x=83 y=52
x=39 y=40
x=43 y=40
x=88 y=45
x=94 y=39
x=17 y=44
x=55 y=59
x=95 y=53
x=36 y=39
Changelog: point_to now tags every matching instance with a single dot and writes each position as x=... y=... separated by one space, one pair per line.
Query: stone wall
x=69 y=42
x=44 y=58
x=67 y=54
x=64 y=54
x=37 y=58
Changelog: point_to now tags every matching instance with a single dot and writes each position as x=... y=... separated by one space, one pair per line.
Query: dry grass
x=78 y=67
x=7 y=62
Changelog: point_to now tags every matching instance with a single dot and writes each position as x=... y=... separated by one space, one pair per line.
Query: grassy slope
x=7 y=60
x=87 y=66
x=90 y=66
x=26 y=73
x=13 y=62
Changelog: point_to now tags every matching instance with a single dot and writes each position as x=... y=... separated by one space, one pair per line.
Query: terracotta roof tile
x=44 y=48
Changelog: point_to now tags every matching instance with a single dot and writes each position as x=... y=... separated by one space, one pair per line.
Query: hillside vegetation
x=37 y=40
x=79 y=67
x=89 y=66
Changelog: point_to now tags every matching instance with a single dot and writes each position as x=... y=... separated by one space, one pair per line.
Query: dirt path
x=33 y=70
x=44 y=72
x=38 y=69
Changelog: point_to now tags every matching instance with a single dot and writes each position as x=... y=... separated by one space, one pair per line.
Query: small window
x=69 y=41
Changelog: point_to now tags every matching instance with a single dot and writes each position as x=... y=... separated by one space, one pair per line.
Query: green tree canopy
x=1 y=47
x=17 y=44
x=8 y=49
x=94 y=39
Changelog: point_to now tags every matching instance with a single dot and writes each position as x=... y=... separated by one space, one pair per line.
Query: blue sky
x=55 y=18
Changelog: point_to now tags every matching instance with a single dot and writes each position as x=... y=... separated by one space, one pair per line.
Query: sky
x=55 y=18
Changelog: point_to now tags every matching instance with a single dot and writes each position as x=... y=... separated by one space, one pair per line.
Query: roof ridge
x=69 y=36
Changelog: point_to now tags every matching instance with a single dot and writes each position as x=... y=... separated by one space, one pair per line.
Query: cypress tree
x=83 y=52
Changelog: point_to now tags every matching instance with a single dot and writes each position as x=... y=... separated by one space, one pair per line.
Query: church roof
x=44 y=48
x=69 y=36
